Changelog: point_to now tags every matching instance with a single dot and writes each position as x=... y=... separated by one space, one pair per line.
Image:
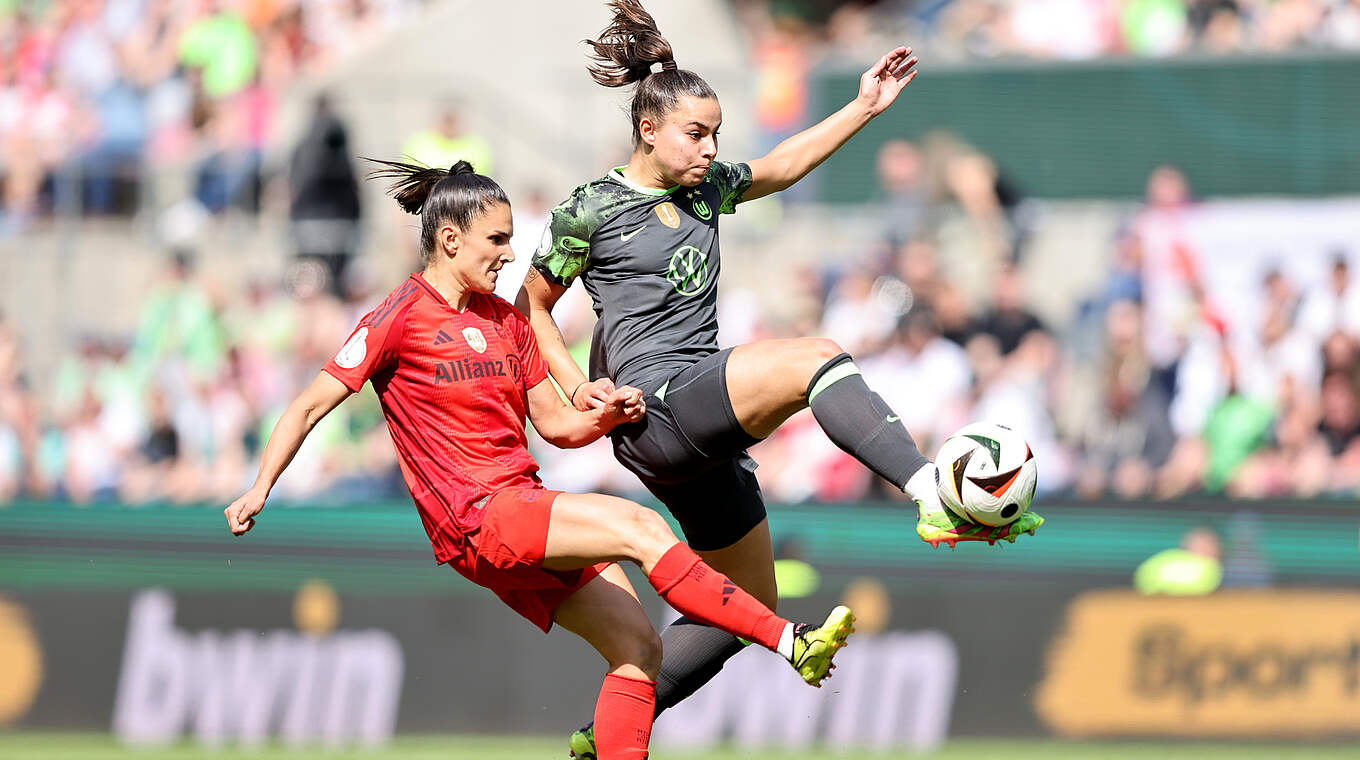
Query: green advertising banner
x=1287 y=126
x=382 y=547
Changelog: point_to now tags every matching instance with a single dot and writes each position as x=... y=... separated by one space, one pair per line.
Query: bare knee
x=636 y=645
x=649 y=653
x=649 y=536
x=819 y=351
x=813 y=355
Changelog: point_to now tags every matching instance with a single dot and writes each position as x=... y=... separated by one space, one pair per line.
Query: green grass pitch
x=34 y=746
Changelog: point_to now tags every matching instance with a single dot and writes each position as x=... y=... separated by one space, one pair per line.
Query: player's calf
x=810 y=649
x=701 y=593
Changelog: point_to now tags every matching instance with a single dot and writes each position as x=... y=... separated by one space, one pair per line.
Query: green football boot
x=813 y=651
x=581 y=745
x=937 y=525
x=813 y=648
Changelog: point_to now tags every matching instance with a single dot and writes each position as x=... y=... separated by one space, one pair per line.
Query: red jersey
x=454 y=388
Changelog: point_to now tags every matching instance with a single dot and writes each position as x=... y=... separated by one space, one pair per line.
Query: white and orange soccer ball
x=987 y=474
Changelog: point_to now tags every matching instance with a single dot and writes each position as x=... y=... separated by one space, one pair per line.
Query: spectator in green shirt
x=179 y=320
x=222 y=46
x=1191 y=570
x=446 y=143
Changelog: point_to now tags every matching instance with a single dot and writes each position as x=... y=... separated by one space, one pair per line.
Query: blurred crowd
x=178 y=410
x=1168 y=380
x=1163 y=383
x=1139 y=395
x=97 y=95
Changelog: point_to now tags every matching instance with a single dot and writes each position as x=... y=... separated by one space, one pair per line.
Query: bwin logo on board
x=246 y=686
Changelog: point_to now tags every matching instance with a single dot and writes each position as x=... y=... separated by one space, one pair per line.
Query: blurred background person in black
x=324 y=205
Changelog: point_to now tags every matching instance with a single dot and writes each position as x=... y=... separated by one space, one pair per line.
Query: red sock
x=701 y=593
x=623 y=718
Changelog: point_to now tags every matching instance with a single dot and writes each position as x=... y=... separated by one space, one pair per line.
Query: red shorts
x=506 y=555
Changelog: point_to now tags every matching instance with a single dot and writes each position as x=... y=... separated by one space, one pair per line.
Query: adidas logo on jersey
x=442 y=338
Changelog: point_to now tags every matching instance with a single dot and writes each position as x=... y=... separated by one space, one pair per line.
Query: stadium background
x=1126 y=227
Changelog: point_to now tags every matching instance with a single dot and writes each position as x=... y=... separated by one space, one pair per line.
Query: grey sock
x=861 y=422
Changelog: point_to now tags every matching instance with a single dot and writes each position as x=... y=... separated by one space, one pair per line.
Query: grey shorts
x=690 y=452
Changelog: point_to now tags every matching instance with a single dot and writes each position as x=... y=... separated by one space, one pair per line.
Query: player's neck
x=448 y=287
x=642 y=172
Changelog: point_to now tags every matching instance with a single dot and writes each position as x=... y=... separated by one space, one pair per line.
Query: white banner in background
x=244 y=686
x=890 y=691
x=1232 y=245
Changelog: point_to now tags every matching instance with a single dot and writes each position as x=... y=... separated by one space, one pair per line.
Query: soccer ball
x=987 y=474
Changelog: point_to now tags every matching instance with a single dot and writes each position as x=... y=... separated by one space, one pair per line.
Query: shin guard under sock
x=701 y=593
x=623 y=718
x=861 y=423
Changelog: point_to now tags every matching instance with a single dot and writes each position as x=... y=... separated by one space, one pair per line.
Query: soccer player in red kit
x=457 y=370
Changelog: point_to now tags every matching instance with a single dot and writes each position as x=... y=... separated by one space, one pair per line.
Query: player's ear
x=647 y=130
x=450 y=238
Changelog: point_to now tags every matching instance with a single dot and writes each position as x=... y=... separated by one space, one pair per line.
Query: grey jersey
x=650 y=261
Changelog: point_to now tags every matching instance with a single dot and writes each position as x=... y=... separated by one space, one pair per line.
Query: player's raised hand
x=592 y=394
x=241 y=513
x=879 y=86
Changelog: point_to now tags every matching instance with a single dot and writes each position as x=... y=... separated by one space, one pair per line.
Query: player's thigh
x=606 y=613
x=749 y=563
x=767 y=380
x=585 y=529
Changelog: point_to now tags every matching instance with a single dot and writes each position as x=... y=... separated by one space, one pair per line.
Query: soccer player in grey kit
x=643 y=239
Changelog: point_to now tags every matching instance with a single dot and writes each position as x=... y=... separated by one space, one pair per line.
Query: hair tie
x=668 y=65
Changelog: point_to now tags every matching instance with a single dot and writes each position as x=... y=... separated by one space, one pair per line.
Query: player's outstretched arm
x=568 y=428
x=535 y=300
x=792 y=159
x=324 y=394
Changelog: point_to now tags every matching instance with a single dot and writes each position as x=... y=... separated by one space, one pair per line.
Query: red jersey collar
x=439 y=297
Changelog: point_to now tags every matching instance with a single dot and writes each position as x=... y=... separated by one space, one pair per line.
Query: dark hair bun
x=455 y=195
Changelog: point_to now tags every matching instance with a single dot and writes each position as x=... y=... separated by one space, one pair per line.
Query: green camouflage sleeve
x=564 y=252
x=732 y=181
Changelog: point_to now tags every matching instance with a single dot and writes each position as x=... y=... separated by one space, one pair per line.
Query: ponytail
x=624 y=54
x=456 y=195
x=627 y=48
